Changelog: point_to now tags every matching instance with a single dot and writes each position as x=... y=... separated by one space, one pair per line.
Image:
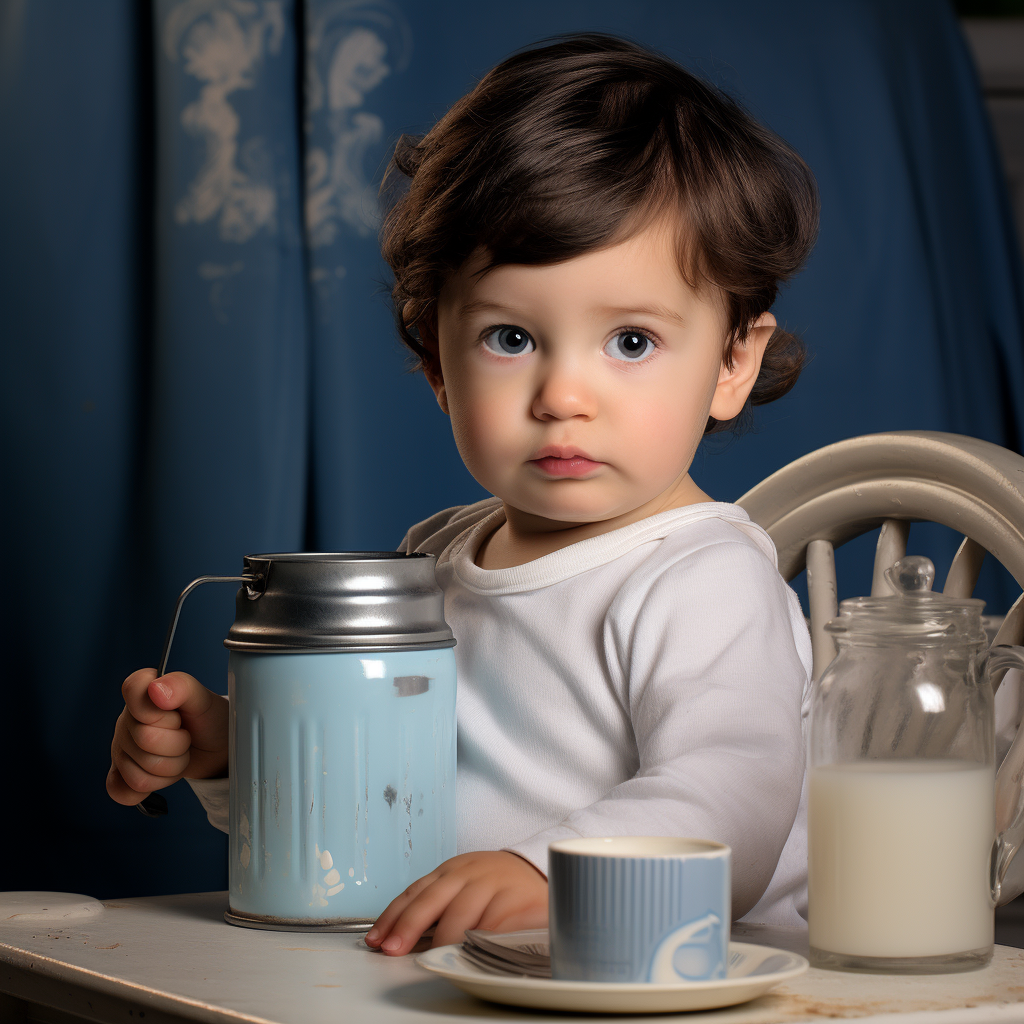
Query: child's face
x=579 y=391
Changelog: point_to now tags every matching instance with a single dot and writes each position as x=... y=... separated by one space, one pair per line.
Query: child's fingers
x=393 y=911
x=464 y=911
x=420 y=913
x=179 y=690
x=512 y=910
x=131 y=792
x=156 y=740
x=136 y=776
x=203 y=713
x=154 y=764
x=135 y=691
x=119 y=790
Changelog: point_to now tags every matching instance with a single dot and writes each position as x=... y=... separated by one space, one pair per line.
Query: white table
x=173 y=958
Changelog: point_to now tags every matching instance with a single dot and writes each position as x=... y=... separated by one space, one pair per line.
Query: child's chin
x=568 y=512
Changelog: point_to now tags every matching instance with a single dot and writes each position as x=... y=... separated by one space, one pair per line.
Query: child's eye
x=630 y=346
x=509 y=341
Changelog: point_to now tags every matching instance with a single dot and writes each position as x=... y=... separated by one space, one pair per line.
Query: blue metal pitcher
x=341 y=680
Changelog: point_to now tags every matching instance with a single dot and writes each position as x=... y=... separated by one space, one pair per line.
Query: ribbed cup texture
x=609 y=915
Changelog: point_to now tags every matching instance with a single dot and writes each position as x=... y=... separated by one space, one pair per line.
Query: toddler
x=585 y=259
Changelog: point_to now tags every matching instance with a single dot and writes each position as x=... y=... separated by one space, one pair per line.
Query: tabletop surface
x=173 y=958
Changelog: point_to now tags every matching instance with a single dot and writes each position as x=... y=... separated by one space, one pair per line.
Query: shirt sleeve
x=715 y=660
x=213 y=795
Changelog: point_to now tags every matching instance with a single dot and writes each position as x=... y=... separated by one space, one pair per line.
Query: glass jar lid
x=914 y=614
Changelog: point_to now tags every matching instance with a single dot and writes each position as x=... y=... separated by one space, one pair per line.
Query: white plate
x=753 y=970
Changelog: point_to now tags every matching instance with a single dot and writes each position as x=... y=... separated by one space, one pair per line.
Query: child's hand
x=170 y=728
x=495 y=890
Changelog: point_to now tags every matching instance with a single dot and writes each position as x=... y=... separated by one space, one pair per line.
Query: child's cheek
x=484 y=427
x=665 y=432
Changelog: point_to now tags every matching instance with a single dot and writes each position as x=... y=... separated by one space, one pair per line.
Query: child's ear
x=432 y=365
x=735 y=383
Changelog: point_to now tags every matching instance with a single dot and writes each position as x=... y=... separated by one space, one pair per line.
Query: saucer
x=753 y=970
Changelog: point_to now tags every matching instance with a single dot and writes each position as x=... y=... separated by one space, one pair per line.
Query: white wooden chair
x=888 y=481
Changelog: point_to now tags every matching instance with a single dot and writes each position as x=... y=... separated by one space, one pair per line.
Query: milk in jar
x=899 y=857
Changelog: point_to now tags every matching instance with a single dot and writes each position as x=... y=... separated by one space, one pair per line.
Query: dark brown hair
x=570 y=147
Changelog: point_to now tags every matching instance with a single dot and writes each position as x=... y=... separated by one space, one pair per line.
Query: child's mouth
x=573 y=466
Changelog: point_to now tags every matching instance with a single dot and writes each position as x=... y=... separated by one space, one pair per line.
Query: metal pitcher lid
x=340 y=601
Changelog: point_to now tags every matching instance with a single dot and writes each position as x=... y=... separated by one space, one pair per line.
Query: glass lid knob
x=914 y=574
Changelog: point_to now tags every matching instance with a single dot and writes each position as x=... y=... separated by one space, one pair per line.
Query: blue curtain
x=199 y=357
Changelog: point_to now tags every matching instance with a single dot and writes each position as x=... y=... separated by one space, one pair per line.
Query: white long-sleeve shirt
x=648 y=681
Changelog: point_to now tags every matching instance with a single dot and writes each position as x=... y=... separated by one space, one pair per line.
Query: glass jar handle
x=1009 y=787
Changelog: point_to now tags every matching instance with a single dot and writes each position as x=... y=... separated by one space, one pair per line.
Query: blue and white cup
x=639 y=909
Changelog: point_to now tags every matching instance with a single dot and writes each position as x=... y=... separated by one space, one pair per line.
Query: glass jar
x=904 y=864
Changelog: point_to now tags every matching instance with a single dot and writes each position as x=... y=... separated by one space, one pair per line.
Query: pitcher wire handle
x=253 y=579
x=155 y=805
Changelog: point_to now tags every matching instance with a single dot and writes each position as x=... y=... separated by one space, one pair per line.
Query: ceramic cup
x=639 y=909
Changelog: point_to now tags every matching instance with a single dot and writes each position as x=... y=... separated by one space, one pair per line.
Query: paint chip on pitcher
x=326 y=860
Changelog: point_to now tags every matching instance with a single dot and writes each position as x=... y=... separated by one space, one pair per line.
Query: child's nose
x=563 y=393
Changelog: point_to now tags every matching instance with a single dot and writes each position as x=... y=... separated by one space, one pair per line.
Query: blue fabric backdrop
x=199 y=359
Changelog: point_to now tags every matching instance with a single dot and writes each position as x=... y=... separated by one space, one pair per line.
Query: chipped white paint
x=243 y=825
x=245 y=855
x=319 y=892
x=351 y=872
x=223 y=43
x=329 y=886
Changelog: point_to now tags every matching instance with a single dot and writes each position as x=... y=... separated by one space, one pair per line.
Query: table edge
x=26 y=967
